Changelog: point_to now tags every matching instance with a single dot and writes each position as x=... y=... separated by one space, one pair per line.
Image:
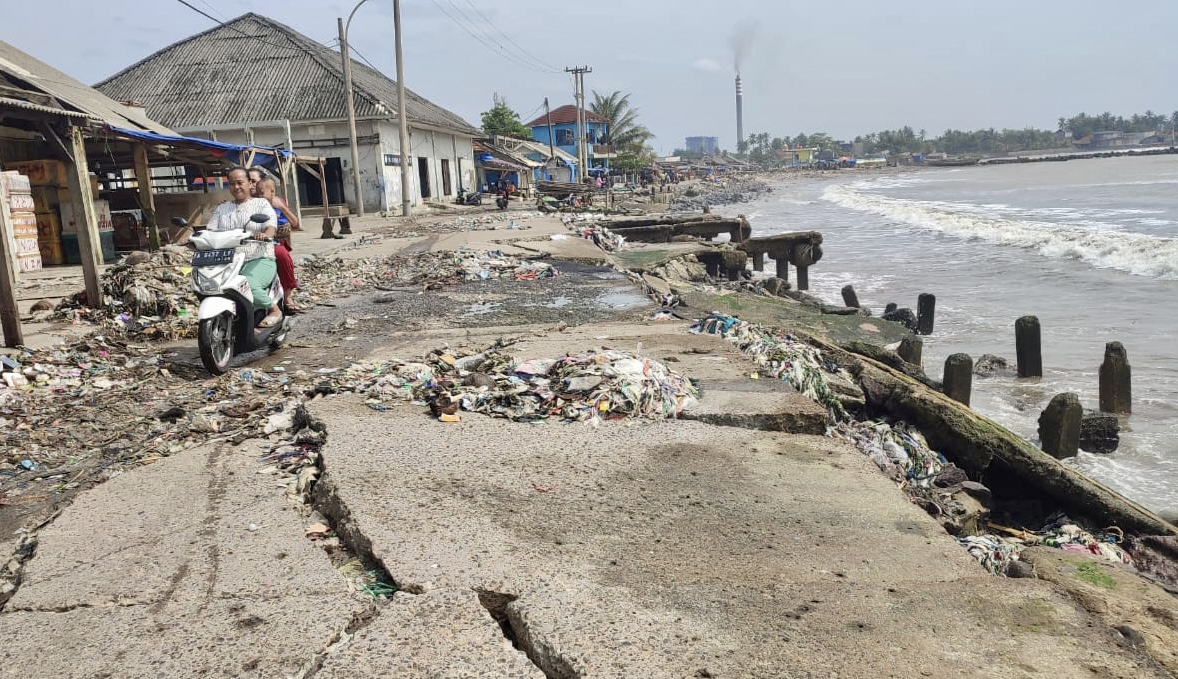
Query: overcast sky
x=844 y=67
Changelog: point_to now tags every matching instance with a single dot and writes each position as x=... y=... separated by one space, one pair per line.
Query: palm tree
x=624 y=130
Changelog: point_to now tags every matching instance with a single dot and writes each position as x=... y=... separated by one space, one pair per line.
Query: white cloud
x=707 y=66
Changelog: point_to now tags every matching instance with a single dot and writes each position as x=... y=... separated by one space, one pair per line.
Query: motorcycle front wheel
x=215 y=341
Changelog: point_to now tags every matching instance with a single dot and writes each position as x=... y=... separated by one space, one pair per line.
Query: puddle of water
x=623 y=298
x=558 y=302
x=480 y=309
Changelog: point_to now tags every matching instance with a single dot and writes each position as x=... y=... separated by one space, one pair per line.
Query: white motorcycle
x=227 y=315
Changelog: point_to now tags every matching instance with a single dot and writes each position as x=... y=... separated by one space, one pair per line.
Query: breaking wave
x=1135 y=253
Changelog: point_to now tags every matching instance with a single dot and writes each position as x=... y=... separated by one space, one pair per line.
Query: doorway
x=423 y=177
x=335 y=181
x=447 y=187
x=311 y=191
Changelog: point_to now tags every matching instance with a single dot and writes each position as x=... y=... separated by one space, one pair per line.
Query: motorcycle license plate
x=212 y=257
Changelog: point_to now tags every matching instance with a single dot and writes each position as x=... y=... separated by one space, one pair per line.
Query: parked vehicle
x=228 y=319
x=464 y=198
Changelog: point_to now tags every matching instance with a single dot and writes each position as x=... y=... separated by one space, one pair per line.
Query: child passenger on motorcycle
x=259 y=268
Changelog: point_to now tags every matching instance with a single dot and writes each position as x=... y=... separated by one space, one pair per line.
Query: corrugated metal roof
x=254 y=68
x=21 y=103
x=543 y=149
x=76 y=97
x=566 y=114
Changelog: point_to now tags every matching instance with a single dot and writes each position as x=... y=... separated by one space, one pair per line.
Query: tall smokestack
x=739 y=115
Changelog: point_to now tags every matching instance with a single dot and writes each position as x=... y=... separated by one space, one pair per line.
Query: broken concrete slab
x=187 y=538
x=669 y=548
x=439 y=635
x=782 y=410
x=219 y=638
x=168 y=554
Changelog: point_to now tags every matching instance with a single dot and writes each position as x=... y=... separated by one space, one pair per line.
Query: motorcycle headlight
x=210 y=283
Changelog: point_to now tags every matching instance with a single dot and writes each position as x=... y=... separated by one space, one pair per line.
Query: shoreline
x=829 y=552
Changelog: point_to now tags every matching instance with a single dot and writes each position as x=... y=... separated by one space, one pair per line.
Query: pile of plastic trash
x=997 y=549
x=779 y=355
x=590 y=387
x=899 y=450
x=145 y=293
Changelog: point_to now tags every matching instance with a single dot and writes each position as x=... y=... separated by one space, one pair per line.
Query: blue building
x=564 y=134
x=708 y=146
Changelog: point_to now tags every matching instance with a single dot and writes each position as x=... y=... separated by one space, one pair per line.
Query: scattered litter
x=589 y=386
x=899 y=449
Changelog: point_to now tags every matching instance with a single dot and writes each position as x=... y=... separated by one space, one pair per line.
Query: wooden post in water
x=849 y=297
x=1059 y=426
x=926 y=305
x=958 y=379
x=1116 y=387
x=911 y=349
x=1027 y=347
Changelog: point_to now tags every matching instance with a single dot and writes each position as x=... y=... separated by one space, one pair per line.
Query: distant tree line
x=764 y=147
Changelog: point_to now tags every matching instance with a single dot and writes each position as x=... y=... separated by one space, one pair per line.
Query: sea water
x=1090 y=247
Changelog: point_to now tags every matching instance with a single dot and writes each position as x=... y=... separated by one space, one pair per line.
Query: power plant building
x=706 y=145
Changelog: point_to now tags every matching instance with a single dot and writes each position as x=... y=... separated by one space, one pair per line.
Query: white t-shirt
x=231 y=215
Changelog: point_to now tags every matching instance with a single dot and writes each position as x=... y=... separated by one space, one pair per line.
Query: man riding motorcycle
x=260 y=268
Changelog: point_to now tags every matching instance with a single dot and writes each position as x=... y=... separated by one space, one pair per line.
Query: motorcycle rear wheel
x=215 y=341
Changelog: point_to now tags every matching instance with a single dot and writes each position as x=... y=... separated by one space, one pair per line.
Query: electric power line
x=255 y=38
x=507 y=55
x=211 y=8
x=200 y=11
x=526 y=54
x=352 y=50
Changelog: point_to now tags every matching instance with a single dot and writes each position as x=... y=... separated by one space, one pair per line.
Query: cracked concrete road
x=684 y=549
x=156 y=573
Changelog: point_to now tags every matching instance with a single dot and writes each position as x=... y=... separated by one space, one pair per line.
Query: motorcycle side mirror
x=259 y=218
x=179 y=221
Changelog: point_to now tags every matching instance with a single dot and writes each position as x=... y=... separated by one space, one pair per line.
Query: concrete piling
x=926 y=305
x=1027 y=347
x=1116 y=388
x=911 y=349
x=782 y=268
x=958 y=379
x=849 y=297
x=1059 y=426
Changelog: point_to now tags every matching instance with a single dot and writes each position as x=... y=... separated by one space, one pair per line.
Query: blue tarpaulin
x=234 y=154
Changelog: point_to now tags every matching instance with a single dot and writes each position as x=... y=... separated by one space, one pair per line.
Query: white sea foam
x=1135 y=253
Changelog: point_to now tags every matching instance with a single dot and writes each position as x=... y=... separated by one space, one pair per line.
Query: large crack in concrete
x=325 y=498
x=12 y=572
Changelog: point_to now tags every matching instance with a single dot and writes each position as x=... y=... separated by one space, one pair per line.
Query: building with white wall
x=253 y=80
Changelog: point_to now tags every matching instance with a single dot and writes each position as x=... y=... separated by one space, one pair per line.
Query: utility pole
x=346 y=56
x=402 y=115
x=579 y=93
x=551 y=141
